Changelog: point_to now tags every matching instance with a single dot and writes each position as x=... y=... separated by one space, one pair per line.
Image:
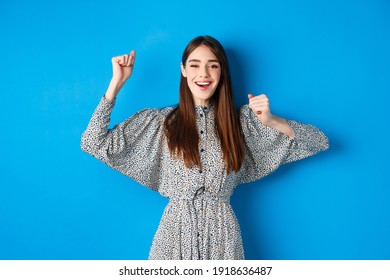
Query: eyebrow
x=198 y=60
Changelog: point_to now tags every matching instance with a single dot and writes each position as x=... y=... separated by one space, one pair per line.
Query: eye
x=194 y=65
x=214 y=66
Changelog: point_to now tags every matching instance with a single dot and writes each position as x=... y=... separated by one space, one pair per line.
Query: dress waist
x=202 y=194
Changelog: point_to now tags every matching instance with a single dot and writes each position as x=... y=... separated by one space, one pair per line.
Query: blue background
x=320 y=62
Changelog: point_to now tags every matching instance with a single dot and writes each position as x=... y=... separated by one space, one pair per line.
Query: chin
x=203 y=98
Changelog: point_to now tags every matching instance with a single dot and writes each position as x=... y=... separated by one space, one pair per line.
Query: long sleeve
x=133 y=147
x=266 y=148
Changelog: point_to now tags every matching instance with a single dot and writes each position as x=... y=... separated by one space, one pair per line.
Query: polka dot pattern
x=198 y=222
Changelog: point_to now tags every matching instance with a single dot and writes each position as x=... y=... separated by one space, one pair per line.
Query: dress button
x=201 y=115
x=201 y=132
x=200 y=171
x=201 y=150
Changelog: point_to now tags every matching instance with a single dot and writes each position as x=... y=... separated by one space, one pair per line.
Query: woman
x=197 y=153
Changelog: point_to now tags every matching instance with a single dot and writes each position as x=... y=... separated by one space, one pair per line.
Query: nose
x=204 y=72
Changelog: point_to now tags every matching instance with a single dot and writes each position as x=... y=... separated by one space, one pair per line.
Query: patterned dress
x=198 y=222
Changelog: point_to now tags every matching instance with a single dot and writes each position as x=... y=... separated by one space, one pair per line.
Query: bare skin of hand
x=261 y=107
x=122 y=69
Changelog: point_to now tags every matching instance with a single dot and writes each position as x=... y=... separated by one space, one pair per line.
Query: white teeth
x=203 y=83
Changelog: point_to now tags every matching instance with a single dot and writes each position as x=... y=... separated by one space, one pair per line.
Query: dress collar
x=204 y=109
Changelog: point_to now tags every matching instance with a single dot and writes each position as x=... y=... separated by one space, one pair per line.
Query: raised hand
x=260 y=106
x=122 y=68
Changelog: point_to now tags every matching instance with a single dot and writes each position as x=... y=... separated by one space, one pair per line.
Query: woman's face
x=203 y=72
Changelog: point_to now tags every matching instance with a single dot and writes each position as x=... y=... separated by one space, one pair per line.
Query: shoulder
x=162 y=112
x=157 y=114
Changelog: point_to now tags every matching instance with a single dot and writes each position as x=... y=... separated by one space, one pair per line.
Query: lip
x=203 y=85
x=203 y=82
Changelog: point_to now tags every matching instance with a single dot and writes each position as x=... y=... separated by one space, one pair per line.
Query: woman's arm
x=266 y=147
x=260 y=106
x=122 y=68
x=132 y=147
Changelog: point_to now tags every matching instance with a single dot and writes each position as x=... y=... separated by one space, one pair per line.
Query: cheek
x=191 y=74
x=218 y=76
x=190 y=83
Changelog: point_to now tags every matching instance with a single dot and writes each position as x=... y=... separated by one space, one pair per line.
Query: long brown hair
x=180 y=124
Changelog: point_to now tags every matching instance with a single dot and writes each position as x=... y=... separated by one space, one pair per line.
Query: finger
x=259 y=100
x=133 y=56
x=121 y=60
x=118 y=59
x=260 y=97
x=260 y=108
x=130 y=58
x=125 y=60
x=263 y=95
x=257 y=109
x=259 y=105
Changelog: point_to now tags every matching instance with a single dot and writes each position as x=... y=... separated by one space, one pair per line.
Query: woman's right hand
x=122 y=68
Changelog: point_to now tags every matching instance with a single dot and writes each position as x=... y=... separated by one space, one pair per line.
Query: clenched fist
x=122 y=68
x=260 y=106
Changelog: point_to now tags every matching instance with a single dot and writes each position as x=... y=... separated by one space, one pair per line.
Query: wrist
x=279 y=124
x=113 y=89
x=268 y=120
x=116 y=83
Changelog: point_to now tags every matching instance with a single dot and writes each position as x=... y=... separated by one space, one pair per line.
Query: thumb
x=250 y=96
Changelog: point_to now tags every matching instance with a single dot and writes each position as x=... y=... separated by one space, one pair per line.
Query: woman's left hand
x=260 y=106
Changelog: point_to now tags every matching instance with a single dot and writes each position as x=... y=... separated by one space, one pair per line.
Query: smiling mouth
x=203 y=84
